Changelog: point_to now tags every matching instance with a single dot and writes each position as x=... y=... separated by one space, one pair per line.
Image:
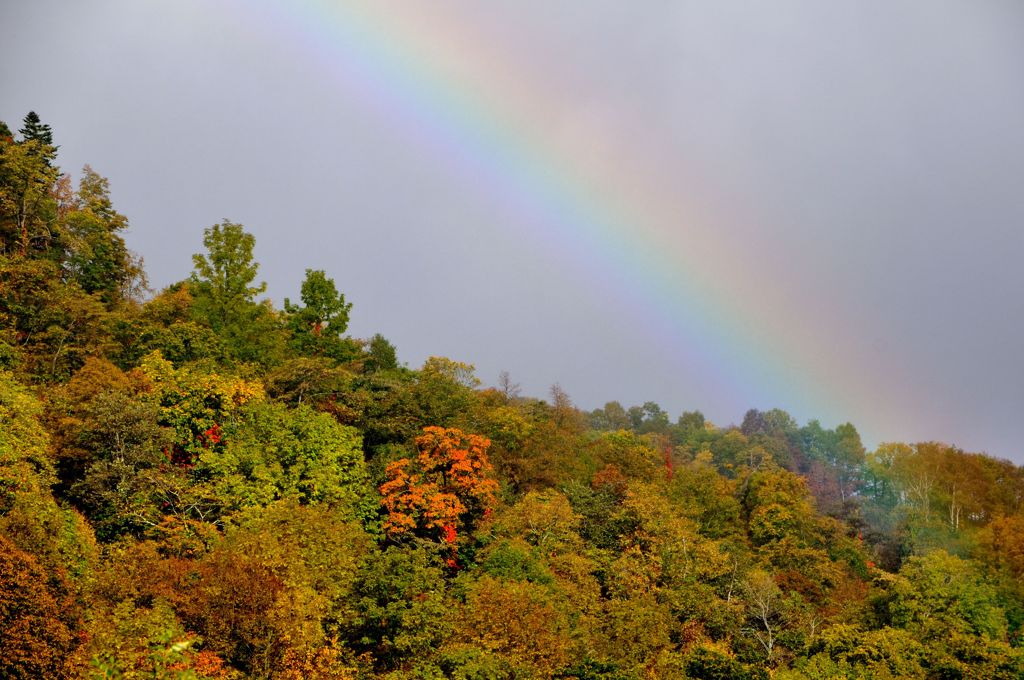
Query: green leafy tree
x=400 y=613
x=225 y=295
x=269 y=452
x=318 y=324
x=25 y=463
x=653 y=419
x=611 y=417
x=383 y=355
x=127 y=448
x=835 y=463
x=97 y=257
x=224 y=276
x=55 y=325
x=383 y=405
x=149 y=642
x=938 y=593
x=443 y=390
x=28 y=210
x=705 y=663
x=165 y=323
x=310 y=380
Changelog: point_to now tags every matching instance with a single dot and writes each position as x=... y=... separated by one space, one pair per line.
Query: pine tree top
x=35 y=129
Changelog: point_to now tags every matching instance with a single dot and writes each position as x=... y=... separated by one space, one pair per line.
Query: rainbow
x=588 y=197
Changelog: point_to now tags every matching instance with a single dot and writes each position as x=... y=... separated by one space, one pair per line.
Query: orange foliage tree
x=34 y=640
x=448 y=484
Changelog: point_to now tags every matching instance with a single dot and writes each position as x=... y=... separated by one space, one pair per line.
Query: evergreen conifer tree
x=35 y=130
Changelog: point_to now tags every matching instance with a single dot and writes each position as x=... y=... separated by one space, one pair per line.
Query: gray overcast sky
x=857 y=165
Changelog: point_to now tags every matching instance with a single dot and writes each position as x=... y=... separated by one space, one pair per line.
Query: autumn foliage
x=200 y=486
x=34 y=641
x=446 y=485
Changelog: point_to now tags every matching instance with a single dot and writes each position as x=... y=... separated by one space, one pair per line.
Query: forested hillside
x=197 y=484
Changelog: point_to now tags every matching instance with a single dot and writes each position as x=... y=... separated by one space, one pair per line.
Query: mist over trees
x=197 y=484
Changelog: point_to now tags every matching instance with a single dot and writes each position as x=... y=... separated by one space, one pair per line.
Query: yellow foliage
x=518 y=621
x=192 y=402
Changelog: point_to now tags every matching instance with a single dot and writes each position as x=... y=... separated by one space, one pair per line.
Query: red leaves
x=448 y=534
x=180 y=456
x=212 y=435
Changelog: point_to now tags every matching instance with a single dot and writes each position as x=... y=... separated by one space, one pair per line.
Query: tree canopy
x=197 y=484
